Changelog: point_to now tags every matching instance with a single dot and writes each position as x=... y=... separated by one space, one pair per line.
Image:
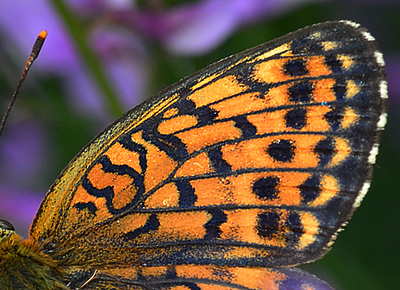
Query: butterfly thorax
x=24 y=266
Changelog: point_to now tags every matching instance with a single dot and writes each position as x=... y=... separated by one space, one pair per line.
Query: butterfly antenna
x=34 y=54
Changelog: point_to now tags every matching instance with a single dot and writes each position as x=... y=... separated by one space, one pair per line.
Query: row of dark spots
x=309 y=46
x=284 y=150
x=297 y=67
x=267 y=188
x=300 y=92
x=296 y=118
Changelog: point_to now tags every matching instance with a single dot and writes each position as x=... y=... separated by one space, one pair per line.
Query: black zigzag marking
x=127 y=143
x=108 y=192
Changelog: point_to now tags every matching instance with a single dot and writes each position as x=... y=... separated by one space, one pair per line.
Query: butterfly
x=225 y=180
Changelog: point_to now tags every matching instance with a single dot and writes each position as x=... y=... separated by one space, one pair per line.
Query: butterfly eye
x=5 y=225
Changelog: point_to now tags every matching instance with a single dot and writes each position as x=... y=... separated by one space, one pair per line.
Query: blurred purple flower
x=126 y=60
x=199 y=27
x=58 y=56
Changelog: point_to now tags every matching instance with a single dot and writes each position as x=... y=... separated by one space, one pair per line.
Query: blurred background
x=102 y=58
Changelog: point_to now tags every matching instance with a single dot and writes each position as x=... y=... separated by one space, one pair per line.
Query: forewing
x=257 y=160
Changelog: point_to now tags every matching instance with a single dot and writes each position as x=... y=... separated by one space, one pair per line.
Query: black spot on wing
x=296 y=118
x=266 y=188
x=268 y=224
x=281 y=150
x=301 y=92
x=295 y=67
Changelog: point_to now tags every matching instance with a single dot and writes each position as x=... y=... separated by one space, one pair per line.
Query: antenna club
x=43 y=34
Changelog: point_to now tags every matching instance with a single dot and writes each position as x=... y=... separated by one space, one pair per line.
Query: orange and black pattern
x=251 y=163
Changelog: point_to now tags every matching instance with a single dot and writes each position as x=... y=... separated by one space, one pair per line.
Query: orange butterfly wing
x=255 y=161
